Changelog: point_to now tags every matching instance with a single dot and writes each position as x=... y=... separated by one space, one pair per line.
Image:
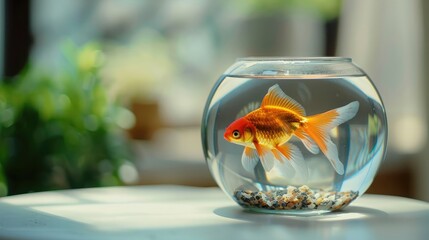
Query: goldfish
x=265 y=132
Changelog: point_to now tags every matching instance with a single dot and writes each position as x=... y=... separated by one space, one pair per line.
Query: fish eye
x=235 y=134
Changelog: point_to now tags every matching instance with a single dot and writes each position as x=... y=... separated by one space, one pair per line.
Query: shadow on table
x=13 y=218
x=351 y=213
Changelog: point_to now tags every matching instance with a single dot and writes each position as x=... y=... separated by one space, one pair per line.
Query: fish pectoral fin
x=249 y=159
x=294 y=157
x=264 y=155
x=276 y=97
x=308 y=142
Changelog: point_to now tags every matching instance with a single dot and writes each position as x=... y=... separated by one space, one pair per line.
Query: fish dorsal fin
x=277 y=98
x=247 y=109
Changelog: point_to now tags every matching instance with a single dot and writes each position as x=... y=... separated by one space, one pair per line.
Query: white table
x=177 y=212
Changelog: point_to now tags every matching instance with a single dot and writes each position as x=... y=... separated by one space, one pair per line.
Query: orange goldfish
x=265 y=132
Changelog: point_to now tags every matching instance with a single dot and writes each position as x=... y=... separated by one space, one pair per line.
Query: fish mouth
x=226 y=137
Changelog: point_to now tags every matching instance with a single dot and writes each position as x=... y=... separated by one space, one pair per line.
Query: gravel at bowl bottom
x=293 y=198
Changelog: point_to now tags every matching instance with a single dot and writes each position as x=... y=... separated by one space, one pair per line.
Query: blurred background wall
x=157 y=60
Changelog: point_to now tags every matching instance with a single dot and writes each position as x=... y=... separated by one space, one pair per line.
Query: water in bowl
x=360 y=143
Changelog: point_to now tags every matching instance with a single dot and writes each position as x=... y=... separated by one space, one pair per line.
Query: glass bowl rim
x=294 y=59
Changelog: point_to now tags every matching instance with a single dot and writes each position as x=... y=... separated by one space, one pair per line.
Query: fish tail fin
x=318 y=127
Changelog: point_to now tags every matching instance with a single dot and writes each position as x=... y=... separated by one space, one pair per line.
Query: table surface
x=179 y=212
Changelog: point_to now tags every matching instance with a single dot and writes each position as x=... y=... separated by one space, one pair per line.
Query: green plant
x=60 y=130
x=328 y=9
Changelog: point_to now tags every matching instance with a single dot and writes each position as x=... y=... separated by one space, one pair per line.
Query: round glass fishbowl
x=294 y=135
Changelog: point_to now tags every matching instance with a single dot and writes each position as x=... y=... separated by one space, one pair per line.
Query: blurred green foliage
x=60 y=131
x=326 y=8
